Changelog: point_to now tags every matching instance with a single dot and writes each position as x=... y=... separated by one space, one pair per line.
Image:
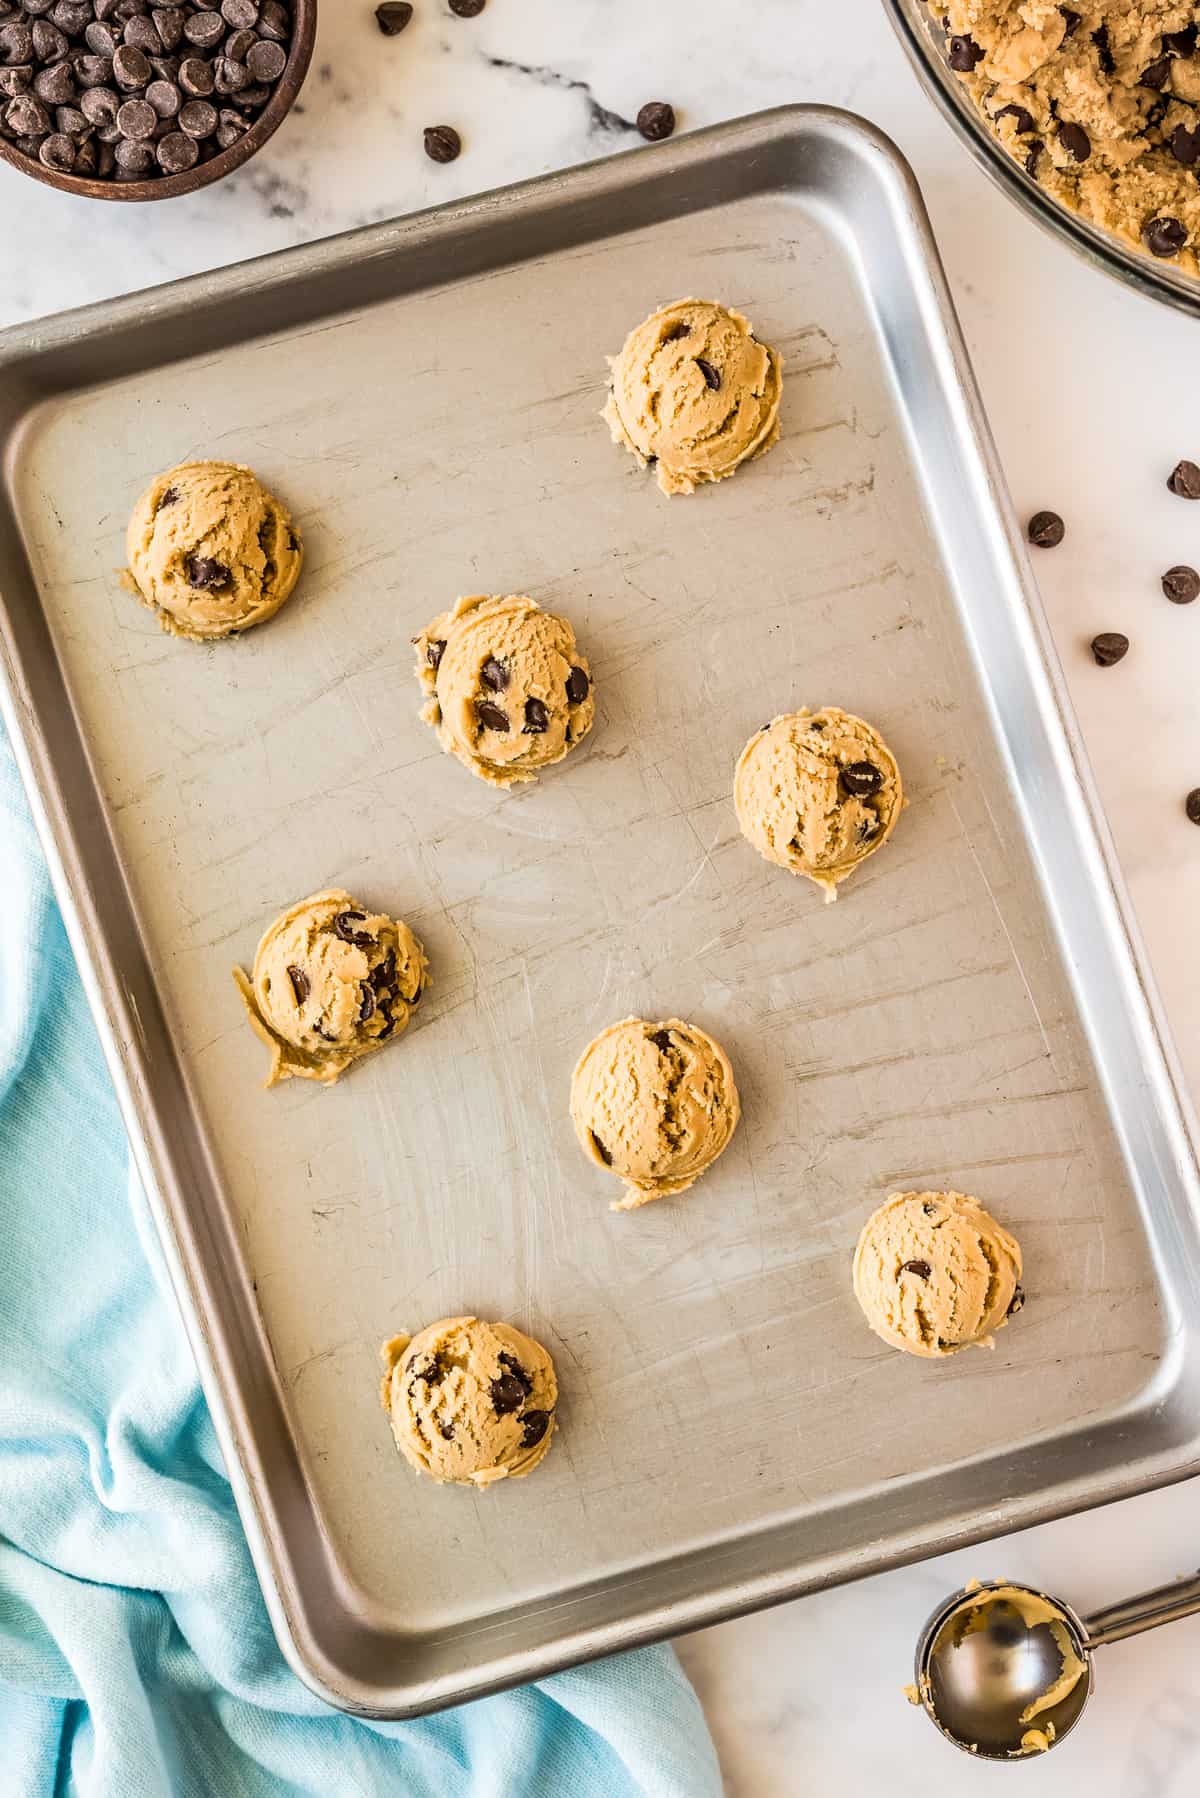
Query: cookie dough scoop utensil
x=1005 y=1671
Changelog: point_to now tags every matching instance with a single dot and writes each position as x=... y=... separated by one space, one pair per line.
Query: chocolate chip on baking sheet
x=1017 y=1302
x=1184 y=480
x=1109 y=648
x=534 y=1426
x=656 y=120
x=467 y=9
x=860 y=779
x=490 y=716
x=1181 y=584
x=393 y=16
x=442 y=143
x=1191 y=805
x=1046 y=530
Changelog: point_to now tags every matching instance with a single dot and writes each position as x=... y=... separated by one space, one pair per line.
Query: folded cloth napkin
x=136 y=1659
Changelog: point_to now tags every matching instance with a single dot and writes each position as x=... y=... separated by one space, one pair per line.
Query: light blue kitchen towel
x=136 y=1659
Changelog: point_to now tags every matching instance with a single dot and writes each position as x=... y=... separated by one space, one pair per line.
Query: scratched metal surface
x=716 y=1375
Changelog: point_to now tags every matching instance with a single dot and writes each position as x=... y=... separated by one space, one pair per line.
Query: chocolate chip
x=431 y=1372
x=196 y=77
x=99 y=106
x=198 y=118
x=71 y=16
x=343 y=927
x=1181 y=584
x=168 y=22
x=1025 y=122
x=230 y=126
x=130 y=67
x=514 y=1367
x=384 y=974
x=490 y=716
x=230 y=77
x=508 y=1394
x=656 y=120
x=711 y=377
x=1164 y=236
x=1017 y=1302
x=393 y=16
x=445 y=1431
x=1191 y=805
x=367 y=1008
x=16 y=44
x=49 y=43
x=164 y=97
x=266 y=61
x=1185 y=145
x=1031 y=161
x=57 y=152
x=860 y=780
x=134 y=160
x=205 y=571
x=273 y=21
x=16 y=80
x=1104 y=50
x=435 y=650
x=1073 y=20
x=86 y=158
x=922 y=1269
x=1180 y=43
x=537 y=719
x=141 y=34
x=962 y=53
x=467 y=9
x=204 y=29
x=578 y=686
x=676 y=332
x=101 y=38
x=1157 y=74
x=54 y=85
x=442 y=143
x=928 y=1209
x=177 y=153
x=1046 y=530
x=301 y=985
x=137 y=118
x=535 y=1424
x=1184 y=480
x=1109 y=647
x=1075 y=140
x=601 y=1150
x=239 y=15
x=495 y=675
x=239 y=45
x=661 y=1039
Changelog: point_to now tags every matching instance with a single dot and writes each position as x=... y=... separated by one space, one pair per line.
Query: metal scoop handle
x=1165 y=1604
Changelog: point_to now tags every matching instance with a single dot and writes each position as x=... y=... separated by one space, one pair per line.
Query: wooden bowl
x=164 y=187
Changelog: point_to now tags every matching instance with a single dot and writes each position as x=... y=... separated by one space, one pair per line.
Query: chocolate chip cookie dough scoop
x=508 y=690
x=695 y=392
x=331 y=983
x=211 y=551
x=655 y=1104
x=469 y=1402
x=935 y=1274
x=817 y=793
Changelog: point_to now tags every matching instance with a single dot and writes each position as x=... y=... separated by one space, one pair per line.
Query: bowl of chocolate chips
x=134 y=100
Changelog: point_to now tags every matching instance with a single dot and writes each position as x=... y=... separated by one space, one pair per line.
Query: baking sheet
x=425 y=396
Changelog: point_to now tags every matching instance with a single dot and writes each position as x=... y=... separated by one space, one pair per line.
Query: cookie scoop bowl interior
x=166 y=187
x=923 y=39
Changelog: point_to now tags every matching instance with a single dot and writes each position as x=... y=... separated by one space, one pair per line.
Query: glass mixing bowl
x=922 y=36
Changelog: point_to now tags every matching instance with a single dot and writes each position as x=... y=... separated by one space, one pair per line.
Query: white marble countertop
x=1092 y=401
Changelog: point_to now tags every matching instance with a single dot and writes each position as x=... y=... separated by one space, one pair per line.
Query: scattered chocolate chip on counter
x=1184 y=480
x=1191 y=805
x=1181 y=584
x=442 y=143
x=656 y=120
x=119 y=90
x=467 y=9
x=1046 y=530
x=393 y=16
x=1109 y=648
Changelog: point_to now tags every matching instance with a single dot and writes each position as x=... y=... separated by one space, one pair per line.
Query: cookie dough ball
x=211 y=551
x=655 y=1104
x=694 y=391
x=469 y=1402
x=934 y=1273
x=331 y=982
x=817 y=792
x=508 y=691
